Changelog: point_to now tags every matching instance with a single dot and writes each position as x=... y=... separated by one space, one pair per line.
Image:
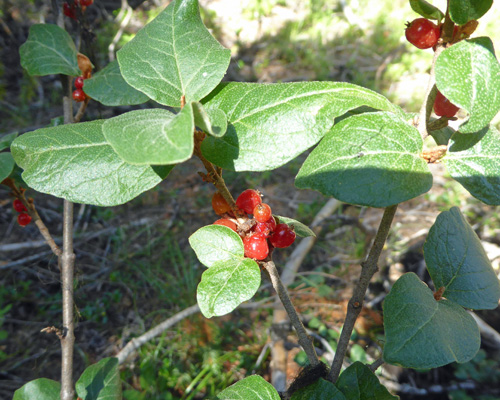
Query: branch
x=304 y=339
x=369 y=267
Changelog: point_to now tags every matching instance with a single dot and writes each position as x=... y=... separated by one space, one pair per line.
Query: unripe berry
x=422 y=33
x=256 y=246
x=23 y=219
x=219 y=204
x=283 y=236
x=19 y=206
x=262 y=212
x=443 y=107
x=226 y=222
x=248 y=200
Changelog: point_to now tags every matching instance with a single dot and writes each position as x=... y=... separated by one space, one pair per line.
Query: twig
x=369 y=267
x=125 y=8
x=304 y=339
x=376 y=364
x=78 y=116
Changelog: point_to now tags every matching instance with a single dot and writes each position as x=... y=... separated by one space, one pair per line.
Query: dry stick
x=369 y=267
x=304 y=339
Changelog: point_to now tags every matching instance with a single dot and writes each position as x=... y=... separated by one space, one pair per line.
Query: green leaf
x=6 y=140
x=49 y=50
x=227 y=284
x=212 y=121
x=468 y=74
x=300 y=229
x=109 y=88
x=474 y=161
x=214 y=243
x=463 y=11
x=251 y=388
x=6 y=165
x=174 y=55
x=358 y=382
x=442 y=136
x=371 y=159
x=76 y=162
x=39 y=389
x=271 y=124
x=319 y=390
x=100 y=381
x=457 y=261
x=426 y=10
x=155 y=136
x=414 y=320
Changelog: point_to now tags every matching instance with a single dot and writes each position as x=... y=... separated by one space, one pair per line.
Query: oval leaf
x=6 y=140
x=474 y=161
x=251 y=388
x=109 y=88
x=49 y=50
x=6 y=165
x=227 y=284
x=370 y=159
x=414 y=320
x=173 y=56
x=468 y=74
x=320 y=390
x=100 y=381
x=39 y=389
x=77 y=163
x=155 y=136
x=214 y=243
x=426 y=10
x=212 y=121
x=299 y=228
x=463 y=11
x=457 y=261
x=358 y=382
x=271 y=124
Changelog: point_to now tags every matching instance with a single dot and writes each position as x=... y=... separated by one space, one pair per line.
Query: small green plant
x=366 y=151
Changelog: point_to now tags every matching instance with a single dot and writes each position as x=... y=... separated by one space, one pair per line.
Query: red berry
x=248 y=200
x=19 y=206
x=265 y=227
x=256 y=246
x=283 y=236
x=226 y=222
x=86 y=3
x=69 y=10
x=23 y=219
x=79 y=82
x=78 y=95
x=422 y=33
x=443 y=107
x=219 y=204
x=262 y=212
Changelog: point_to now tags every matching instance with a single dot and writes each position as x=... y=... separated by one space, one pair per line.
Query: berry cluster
x=78 y=94
x=425 y=34
x=70 y=10
x=23 y=218
x=262 y=233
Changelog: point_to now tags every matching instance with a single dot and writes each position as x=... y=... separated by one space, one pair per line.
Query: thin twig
x=369 y=267
x=280 y=289
x=78 y=116
x=376 y=364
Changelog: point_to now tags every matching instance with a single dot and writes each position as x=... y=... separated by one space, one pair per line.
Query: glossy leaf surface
x=174 y=56
x=49 y=50
x=109 y=88
x=39 y=389
x=155 y=136
x=251 y=388
x=463 y=11
x=414 y=320
x=212 y=121
x=77 y=163
x=270 y=124
x=6 y=165
x=371 y=159
x=100 y=381
x=299 y=228
x=468 y=74
x=457 y=261
x=474 y=161
x=426 y=9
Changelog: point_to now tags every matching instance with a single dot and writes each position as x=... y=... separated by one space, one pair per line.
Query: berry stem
x=304 y=339
x=214 y=176
x=78 y=116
